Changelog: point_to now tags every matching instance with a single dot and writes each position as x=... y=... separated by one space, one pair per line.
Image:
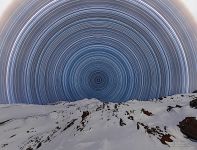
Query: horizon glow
x=4 y=4
x=191 y=5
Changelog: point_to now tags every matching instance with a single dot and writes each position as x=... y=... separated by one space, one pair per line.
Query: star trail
x=112 y=50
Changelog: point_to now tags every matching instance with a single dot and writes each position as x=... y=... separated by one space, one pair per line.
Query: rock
x=85 y=114
x=178 y=106
x=156 y=131
x=39 y=145
x=69 y=124
x=130 y=118
x=194 y=91
x=4 y=145
x=165 y=128
x=116 y=106
x=138 y=125
x=122 y=123
x=189 y=127
x=126 y=113
x=4 y=122
x=99 y=108
x=169 y=108
x=193 y=103
x=58 y=128
x=13 y=136
x=166 y=138
x=146 y=112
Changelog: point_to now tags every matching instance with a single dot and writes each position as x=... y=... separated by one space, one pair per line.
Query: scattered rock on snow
x=163 y=136
x=93 y=115
x=69 y=124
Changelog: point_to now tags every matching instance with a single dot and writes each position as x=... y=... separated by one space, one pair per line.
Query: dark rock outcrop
x=189 y=127
x=85 y=114
x=194 y=91
x=146 y=112
x=163 y=136
x=69 y=124
x=193 y=103
x=166 y=138
x=171 y=107
x=39 y=145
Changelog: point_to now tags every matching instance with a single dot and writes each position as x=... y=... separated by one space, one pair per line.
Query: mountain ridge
x=92 y=124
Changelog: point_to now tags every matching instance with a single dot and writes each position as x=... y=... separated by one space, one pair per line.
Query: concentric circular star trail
x=111 y=50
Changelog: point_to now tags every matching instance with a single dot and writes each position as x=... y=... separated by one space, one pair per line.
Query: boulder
x=189 y=127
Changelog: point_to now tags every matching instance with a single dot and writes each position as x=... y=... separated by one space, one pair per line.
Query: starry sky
x=112 y=50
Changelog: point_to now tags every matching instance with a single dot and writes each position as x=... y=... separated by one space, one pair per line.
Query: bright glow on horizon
x=191 y=5
x=3 y=6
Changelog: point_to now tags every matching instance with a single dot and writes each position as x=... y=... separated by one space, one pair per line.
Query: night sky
x=112 y=50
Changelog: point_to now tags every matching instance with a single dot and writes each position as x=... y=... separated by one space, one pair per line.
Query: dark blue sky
x=105 y=49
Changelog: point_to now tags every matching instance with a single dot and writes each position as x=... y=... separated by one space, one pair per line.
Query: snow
x=61 y=126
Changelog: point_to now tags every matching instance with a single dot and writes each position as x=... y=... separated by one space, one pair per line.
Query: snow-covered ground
x=94 y=125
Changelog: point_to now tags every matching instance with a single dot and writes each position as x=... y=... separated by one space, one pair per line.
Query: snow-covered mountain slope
x=94 y=125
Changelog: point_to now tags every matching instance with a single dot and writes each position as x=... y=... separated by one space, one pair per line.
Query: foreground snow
x=93 y=125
